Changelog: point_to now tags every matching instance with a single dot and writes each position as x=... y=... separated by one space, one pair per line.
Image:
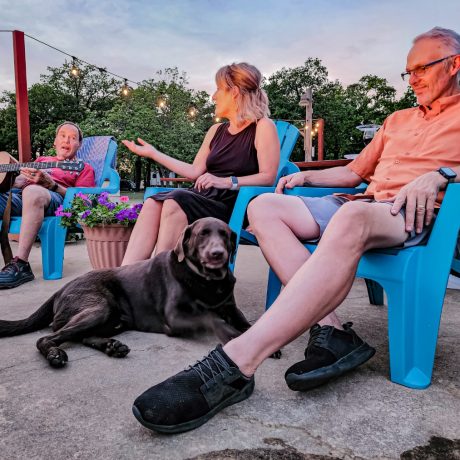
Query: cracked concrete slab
x=84 y=410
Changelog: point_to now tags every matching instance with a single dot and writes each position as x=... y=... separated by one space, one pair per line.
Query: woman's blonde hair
x=252 y=102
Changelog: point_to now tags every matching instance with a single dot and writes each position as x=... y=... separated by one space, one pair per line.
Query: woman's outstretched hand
x=207 y=180
x=143 y=150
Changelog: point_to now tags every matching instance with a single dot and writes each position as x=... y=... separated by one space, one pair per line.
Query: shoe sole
x=192 y=424
x=318 y=377
x=17 y=283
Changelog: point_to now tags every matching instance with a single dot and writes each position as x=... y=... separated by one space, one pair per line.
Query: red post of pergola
x=22 y=101
x=320 y=139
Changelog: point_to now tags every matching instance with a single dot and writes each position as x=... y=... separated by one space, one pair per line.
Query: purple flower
x=85 y=214
x=59 y=210
x=67 y=214
x=103 y=198
x=137 y=207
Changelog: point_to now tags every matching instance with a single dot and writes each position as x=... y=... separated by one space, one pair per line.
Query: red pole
x=320 y=139
x=22 y=101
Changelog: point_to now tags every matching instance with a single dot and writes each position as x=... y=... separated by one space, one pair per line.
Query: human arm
x=268 y=154
x=40 y=177
x=419 y=197
x=191 y=171
x=340 y=176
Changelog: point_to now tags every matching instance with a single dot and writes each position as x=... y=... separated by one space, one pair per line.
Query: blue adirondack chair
x=287 y=135
x=100 y=152
x=415 y=280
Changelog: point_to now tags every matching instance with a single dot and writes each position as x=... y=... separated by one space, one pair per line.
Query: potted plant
x=107 y=226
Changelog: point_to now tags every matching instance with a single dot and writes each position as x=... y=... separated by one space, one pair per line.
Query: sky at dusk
x=136 y=38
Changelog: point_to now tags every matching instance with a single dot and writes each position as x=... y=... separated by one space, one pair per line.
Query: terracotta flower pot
x=107 y=244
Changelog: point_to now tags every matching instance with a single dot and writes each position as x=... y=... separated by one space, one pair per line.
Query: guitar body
x=6 y=177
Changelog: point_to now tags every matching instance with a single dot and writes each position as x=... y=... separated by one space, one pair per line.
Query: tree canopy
x=166 y=112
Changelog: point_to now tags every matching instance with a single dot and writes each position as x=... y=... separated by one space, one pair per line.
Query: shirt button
x=397 y=162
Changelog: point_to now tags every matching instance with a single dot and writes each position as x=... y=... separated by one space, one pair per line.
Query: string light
x=192 y=111
x=217 y=119
x=74 y=71
x=126 y=90
x=161 y=102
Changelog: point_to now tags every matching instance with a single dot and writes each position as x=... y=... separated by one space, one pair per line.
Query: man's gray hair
x=80 y=133
x=447 y=36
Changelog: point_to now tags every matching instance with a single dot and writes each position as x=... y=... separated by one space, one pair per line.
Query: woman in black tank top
x=243 y=151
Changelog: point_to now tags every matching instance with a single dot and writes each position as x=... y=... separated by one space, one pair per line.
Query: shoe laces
x=318 y=334
x=11 y=267
x=211 y=366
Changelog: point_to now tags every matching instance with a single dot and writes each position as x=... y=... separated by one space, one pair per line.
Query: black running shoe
x=330 y=353
x=15 y=273
x=190 y=398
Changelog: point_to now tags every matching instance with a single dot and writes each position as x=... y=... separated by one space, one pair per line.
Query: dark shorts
x=16 y=202
x=323 y=208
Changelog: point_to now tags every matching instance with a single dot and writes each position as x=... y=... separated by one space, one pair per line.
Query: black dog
x=179 y=292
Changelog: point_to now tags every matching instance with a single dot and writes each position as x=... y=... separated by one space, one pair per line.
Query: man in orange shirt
x=408 y=164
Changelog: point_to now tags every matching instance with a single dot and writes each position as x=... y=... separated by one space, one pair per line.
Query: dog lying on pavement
x=178 y=292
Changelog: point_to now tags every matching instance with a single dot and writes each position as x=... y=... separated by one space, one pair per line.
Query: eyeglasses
x=420 y=71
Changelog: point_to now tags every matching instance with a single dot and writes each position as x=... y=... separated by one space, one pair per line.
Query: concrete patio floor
x=84 y=410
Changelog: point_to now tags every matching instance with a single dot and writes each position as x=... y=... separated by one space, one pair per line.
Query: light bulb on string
x=192 y=112
x=74 y=70
x=126 y=89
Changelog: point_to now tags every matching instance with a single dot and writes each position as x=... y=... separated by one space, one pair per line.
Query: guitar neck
x=12 y=167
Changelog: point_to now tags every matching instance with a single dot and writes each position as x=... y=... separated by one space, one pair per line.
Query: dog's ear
x=182 y=242
x=233 y=238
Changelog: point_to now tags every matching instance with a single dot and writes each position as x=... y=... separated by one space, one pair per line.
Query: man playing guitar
x=37 y=193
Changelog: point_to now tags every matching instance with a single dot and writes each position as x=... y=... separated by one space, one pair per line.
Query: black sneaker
x=15 y=273
x=190 y=398
x=330 y=353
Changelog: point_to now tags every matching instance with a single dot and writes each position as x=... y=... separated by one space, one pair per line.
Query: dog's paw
x=57 y=357
x=276 y=355
x=116 y=349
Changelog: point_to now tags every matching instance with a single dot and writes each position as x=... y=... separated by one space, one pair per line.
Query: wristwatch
x=448 y=174
x=234 y=183
x=54 y=187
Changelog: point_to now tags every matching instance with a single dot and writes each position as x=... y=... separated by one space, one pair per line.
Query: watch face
x=447 y=173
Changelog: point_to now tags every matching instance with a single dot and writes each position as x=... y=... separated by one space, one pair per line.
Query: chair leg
x=413 y=323
x=374 y=291
x=273 y=288
x=52 y=236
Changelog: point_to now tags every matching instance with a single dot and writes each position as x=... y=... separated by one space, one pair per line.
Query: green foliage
x=93 y=100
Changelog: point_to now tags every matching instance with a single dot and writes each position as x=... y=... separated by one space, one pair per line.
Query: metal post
x=22 y=101
x=307 y=101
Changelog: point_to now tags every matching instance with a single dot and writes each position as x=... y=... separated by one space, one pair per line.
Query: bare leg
x=145 y=233
x=354 y=229
x=35 y=199
x=279 y=222
x=173 y=221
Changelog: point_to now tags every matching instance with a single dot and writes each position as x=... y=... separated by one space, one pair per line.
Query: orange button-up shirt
x=410 y=143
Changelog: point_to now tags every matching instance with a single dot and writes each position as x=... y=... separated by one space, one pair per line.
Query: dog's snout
x=217 y=252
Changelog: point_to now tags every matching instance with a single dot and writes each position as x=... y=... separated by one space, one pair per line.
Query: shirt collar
x=439 y=105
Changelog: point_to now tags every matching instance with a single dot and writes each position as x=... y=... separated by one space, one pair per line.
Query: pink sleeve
x=365 y=163
x=86 y=177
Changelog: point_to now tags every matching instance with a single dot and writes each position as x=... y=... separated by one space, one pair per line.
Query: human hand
x=143 y=150
x=419 y=196
x=207 y=180
x=292 y=180
x=37 y=177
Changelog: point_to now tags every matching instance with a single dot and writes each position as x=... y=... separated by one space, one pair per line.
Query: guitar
x=9 y=166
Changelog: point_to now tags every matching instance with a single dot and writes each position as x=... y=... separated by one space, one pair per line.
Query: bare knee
x=171 y=210
x=261 y=209
x=350 y=225
x=36 y=196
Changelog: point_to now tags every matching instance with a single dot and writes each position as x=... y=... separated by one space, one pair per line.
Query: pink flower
x=124 y=199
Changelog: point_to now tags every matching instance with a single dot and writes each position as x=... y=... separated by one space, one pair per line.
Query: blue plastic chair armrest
x=245 y=195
